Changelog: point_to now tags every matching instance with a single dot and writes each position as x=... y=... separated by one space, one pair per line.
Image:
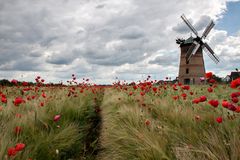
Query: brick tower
x=191 y=72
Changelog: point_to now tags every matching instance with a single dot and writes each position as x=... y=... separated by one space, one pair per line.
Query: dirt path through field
x=110 y=99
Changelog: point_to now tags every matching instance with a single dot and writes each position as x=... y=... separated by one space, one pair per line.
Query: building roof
x=235 y=75
x=188 y=41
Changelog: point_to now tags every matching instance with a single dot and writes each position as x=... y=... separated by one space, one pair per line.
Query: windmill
x=191 y=61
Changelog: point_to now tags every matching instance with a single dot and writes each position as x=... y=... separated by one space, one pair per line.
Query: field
x=140 y=121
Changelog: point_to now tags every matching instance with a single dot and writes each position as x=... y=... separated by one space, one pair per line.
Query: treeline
x=5 y=82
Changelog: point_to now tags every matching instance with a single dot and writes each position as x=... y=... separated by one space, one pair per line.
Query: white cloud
x=104 y=39
x=228 y=50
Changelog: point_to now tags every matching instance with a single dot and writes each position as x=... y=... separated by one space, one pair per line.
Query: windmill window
x=187 y=71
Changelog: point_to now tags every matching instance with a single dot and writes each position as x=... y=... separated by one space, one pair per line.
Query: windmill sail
x=198 y=42
x=189 y=25
x=192 y=50
x=208 y=29
x=210 y=53
x=189 y=52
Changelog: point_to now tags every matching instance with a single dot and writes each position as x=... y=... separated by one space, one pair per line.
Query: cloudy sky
x=105 y=39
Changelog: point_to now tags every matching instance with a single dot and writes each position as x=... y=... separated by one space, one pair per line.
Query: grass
x=74 y=136
x=174 y=131
x=110 y=123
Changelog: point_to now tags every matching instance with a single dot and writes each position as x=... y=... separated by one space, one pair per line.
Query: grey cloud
x=132 y=32
x=181 y=28
x=166 y=59
x=218 y=38
x=59 y=59
x=35 y=54
x=100 y=6
x=23 y=65
x=202 y=22
x=199 y=25
x=11 y=51
x=130 y=51
x=47 y=41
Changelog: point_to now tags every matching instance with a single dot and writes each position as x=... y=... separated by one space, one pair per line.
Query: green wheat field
x=144 y=121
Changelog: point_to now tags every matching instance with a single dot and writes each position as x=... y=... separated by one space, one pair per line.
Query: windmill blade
x=208 y=29
x=189 y=24
x=192 y=51
x=210 y=53
x=189 y=52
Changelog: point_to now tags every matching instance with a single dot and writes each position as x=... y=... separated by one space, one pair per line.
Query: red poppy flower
x=17 y=130
x=142 y=93
x=18 y=101
x=212 y=81
x=24 y=83
x=186 y=87
x=235 y=100
x=208 y=75
x=19 y=146
x=225 y=103
x=135 y=87
x=18 y=115
x=154 y=89
x=219 y=119
x=149 y=83
x=130 y=93
x=4 y=99
x=235 y=94
x=142 y=88
x=213 y=103
x=235 y=83
x=179 y=84
x=147 y=122
x=56 y=117
x=196 y=100
x=237 y=109
x=175 y=97
x=184 y=95
x=210 y=89
x=174 y=88
x=232 y=107
x=14 y=81
x=203 y=98
x=44 y=95
x=28 y=98
x=12 y=151
x=42 y=104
